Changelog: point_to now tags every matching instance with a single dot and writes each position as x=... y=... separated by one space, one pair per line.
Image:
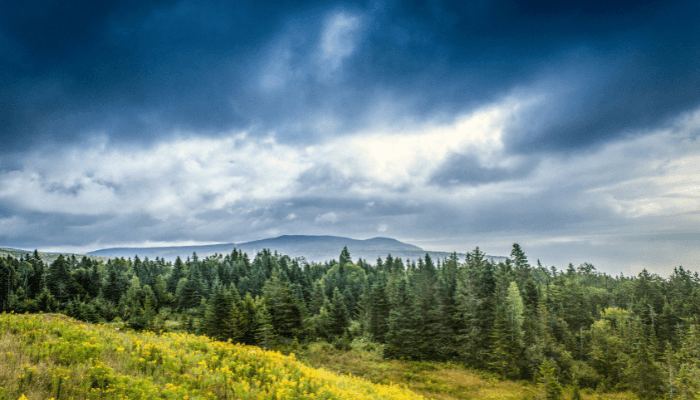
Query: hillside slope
x=45 y=356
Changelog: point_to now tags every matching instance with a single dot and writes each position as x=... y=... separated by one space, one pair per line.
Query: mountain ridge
x=314 y=248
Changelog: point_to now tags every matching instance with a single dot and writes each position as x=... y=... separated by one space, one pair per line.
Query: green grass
x=45 y=356
x=444 y=381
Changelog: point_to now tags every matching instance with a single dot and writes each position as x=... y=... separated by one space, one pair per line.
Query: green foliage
x=223 y=319
x=548 y=382
x=597 y=332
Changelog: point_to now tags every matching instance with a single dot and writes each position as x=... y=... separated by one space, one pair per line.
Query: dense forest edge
x=576 y=328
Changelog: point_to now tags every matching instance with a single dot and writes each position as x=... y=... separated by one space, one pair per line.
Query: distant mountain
x=313 y=248
x=46 y=257
x=168 y=253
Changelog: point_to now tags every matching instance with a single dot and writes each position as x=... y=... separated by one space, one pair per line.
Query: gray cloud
x=466 y=169
x=448 y=123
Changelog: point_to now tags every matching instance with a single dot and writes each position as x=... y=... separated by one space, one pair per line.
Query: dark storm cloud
x=136 y=71
x=466 y=169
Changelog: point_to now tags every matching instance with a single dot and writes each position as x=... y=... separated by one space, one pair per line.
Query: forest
x=574 y=327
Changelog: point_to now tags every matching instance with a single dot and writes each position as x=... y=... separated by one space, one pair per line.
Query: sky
x=571 y=128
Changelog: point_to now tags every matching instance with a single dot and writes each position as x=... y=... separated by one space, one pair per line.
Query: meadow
x=434 y=380
x=50 y=356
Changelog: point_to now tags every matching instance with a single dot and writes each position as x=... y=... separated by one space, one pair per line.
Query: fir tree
x=265 y=334
x=548 y=382
x=400 y=336
x=222 y=318
x=337 y=314
x=177 y=273
x=283 y=308
x=59 y=280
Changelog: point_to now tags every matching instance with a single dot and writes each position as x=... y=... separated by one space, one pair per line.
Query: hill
x=313 y=248
x=47 y=257
x=52 y=356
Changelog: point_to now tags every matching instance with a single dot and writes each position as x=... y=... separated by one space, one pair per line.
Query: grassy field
x=444 y=381
x=52 y=356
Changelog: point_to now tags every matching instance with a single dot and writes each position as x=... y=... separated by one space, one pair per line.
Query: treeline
x=571 y=327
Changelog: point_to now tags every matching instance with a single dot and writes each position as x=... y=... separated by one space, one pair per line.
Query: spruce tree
x=548 y=381
x=222 y=318
x=400 y=338
x=177 y=273
x=59 y=280
x=337 y=314
x=265 y=335
x=284 y=310
x=192 y=292
x=8 y=277
x=378 y=311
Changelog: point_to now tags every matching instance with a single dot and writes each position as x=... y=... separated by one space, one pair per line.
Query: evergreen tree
x=222 y=318
x=576 y=393
x=515 y=310
x=431 y=335
x=249 y=327
x=318 y=298
x=45 y=302
x=177 y=273
x=377 y=310
x=284 y=310
x=59 y=280
x=548 y=381
x=469 y=331
x=518 y=257
x=265 y=335
x=645 y=376
x=401 y=334
x=8 y=278
x=687 y=379
x=338 y=318
x=192 y=292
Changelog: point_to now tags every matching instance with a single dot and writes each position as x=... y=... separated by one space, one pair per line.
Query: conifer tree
x=448 y=305
x=318 y=298
x=59 y=280
x=8 y=278
x=46 y=302
x=284 y=311
x=377 y=310
x=338 y=318
x=222 y=318
x=265 y=335
x=429 y=322
x=192 y=292
x=576 y=393
x=249 y=328
x=467 y=302
x=548 y=381
x=177 y=273
x=400 y=338
x=687 y=379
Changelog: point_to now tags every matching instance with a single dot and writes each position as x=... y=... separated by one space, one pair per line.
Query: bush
x=342 y=343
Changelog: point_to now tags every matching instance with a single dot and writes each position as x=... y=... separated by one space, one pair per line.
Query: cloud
x=456 y=123
x=329 y=217
x=467 y=169
x=207 y=189
x=337 y=41
x=140 y=74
